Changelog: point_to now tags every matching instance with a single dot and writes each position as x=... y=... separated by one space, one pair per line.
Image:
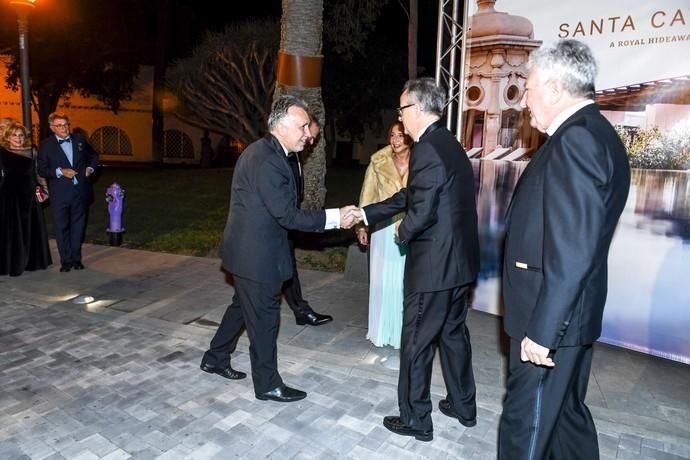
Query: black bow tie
x=62 y=141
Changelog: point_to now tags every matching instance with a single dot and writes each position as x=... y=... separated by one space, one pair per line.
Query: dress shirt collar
x=285 y=151
x=564 y=115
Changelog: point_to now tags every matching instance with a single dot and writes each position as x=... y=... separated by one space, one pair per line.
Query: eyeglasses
x=400 y=109
x=64 y=125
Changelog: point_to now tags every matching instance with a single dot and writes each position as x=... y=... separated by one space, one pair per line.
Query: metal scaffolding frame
x=450 y=41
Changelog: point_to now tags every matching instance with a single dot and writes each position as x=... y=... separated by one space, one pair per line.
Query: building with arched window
x=127 y=135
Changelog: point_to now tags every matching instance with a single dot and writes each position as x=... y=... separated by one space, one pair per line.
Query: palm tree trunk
x=300 y=44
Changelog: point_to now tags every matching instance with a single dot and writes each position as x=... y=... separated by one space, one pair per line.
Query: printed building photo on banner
x=643 y=89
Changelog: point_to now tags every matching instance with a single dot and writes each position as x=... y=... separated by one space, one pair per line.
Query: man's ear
x=280 y=128
x=555 y=91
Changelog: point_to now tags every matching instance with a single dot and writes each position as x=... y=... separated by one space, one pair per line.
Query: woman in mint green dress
x=386 y=174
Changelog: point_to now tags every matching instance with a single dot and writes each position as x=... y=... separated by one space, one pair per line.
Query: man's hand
x=535 y=353
x=349 y=216
x=89 y=171
x=362 y=236
x=68 y=173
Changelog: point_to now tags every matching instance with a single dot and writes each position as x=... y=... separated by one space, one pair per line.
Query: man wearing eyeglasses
x=66 y=161
x=440 y=232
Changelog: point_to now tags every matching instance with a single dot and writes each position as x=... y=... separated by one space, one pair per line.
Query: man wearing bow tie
x=67 y=161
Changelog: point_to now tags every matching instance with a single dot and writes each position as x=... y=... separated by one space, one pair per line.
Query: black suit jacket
x=559 y=228
x=51 y=156
x=440 y=224
x=263 y=207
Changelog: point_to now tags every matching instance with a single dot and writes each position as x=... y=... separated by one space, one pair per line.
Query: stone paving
x=119 y=378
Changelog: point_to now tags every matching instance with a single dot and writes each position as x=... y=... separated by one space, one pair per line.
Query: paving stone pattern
x=120 y=379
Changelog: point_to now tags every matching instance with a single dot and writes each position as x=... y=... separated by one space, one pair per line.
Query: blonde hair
x=4 y=123
x=13 y=128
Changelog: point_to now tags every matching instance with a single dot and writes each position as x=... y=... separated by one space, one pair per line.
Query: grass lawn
x=183 y=211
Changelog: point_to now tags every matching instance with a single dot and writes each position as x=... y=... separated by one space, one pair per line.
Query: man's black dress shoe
x=447 y=408
x=312 y=319
x=77 y=265
x=64 y=268
x=228 y=372
x=394 y=424
x=282 y=393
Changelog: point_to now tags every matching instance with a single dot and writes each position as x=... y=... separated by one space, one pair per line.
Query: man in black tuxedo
x=67 y=161
x=255 y=249
x=559 y=227
x=440 y=231
x=292 y=288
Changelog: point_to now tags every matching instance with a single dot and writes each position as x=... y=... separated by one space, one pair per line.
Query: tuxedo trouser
x=69 y=219
x=256 y=306
x=224 y=342
x=430 y=320
x=292 y=288
x=544 y=411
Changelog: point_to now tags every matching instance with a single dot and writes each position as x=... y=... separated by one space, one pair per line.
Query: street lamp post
x=23 y=8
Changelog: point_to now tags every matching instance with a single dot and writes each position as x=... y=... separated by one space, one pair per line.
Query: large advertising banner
x=643 y=88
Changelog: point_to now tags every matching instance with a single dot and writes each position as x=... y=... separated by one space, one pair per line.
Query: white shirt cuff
x=332 y=218
x=364 y=217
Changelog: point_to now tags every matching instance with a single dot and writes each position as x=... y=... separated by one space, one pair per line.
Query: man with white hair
x=559 y=227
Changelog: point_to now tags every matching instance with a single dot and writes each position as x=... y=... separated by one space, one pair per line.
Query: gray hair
x=280 y=109
x=425 y=92
x=569 y=61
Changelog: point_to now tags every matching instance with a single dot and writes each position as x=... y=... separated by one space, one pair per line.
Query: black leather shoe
x=282 y=393
x=312 y=319
x=78 y=265
x=228 y=372
x=394 y=424
x=64 y=268
x=447 y=408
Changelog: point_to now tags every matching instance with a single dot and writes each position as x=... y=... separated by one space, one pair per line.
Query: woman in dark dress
x=23 y=235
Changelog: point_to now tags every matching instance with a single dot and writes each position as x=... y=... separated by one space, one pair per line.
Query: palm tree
x=301 y=42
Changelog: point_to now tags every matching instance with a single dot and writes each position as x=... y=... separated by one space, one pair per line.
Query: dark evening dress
x=23 y=234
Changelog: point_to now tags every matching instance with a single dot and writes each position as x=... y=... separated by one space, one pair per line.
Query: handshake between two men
x=350 y=215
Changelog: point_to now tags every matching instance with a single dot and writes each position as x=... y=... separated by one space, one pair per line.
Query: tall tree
x=159 y=64
x=299 y=73
x=412 y=26
x=226 y=84
x=77 y=46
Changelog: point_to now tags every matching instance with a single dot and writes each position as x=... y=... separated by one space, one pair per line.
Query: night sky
x=189 y=23
x=190 y=20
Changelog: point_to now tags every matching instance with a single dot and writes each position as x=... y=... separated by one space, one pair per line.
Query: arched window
x=177 y=144
x=109 y=140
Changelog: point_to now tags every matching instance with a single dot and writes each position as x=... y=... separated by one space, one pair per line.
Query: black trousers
x=430 y=320
x=292 y=288
x=544 y=412
x=255 y=306
x=69 y=218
